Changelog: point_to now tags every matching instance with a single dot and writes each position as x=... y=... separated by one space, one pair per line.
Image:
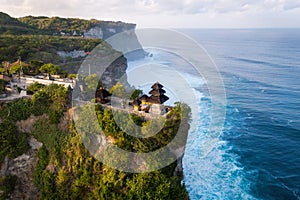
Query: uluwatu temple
x=153 y=104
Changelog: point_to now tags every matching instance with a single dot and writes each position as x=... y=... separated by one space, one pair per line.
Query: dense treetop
x=52 y=26
x=66 y=170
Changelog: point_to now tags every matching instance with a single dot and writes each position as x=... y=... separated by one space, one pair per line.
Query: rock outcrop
x=23 y=167
x=72 y=54
x=105 y=30
x=109 y=66
x=127 y=42
x=26 y=126
x=115 y=71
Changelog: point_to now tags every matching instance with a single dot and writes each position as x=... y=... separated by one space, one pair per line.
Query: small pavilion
x=102 y=95
x=154 y=103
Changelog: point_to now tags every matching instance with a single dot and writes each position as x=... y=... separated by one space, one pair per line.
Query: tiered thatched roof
x=157 y=95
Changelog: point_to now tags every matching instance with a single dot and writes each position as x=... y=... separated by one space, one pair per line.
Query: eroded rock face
x=109 y=59
x=115 y=71
x=26 y=126
x=106 y=30
x=109 y=68
x=23 y=167
x=72 y=54
x=95 y=32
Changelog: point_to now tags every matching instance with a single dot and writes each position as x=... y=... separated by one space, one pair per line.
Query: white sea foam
x=217 y=174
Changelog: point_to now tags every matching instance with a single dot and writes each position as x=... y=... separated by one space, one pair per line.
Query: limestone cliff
x=105 y=30
x=23 y=168
x=127 y=41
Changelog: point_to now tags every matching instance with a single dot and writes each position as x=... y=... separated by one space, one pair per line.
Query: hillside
x=75 y=26
x=61 y=26
x=43 y=155
x=61 y=41
x=66 y=52
x=9 y=25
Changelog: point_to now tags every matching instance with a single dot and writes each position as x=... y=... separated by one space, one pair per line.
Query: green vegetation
x=136 y=93
x=2 y=85
x=75 y=174
x=7 y=184
x=53 y=26
x=38 y=49
x=49 y=69
x=12 y=142
x=9 y=25
x=118 y=90
x=19 y=109
x=35 y=87
x=72 y=76
x=51 y=100
x=15 y=69
x=91 y=82
x=65 y=169
x=32 y=69
x=162 y=138
x=70 y=26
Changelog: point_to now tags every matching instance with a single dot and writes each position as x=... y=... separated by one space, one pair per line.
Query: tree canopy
x=2 y=85
x=118 y=90
x=91 y=82
x=49 y=69
x=65 y=168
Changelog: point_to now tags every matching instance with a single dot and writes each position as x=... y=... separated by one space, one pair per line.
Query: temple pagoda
x=154 y=103
x=157 y=94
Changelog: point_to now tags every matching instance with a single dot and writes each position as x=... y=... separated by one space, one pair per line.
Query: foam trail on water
x=217 y=174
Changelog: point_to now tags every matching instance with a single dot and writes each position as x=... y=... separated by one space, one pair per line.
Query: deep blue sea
x=257 y=155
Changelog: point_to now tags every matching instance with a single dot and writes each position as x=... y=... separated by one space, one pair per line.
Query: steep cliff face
x=70 y=52
x=114 y=72
x=23 y=168
x=92 y=29
x=108 y=66
x=127 y=41
x=105 y=30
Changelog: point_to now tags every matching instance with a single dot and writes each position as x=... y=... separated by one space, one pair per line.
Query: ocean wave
x=218 y=174
x=211 y=169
